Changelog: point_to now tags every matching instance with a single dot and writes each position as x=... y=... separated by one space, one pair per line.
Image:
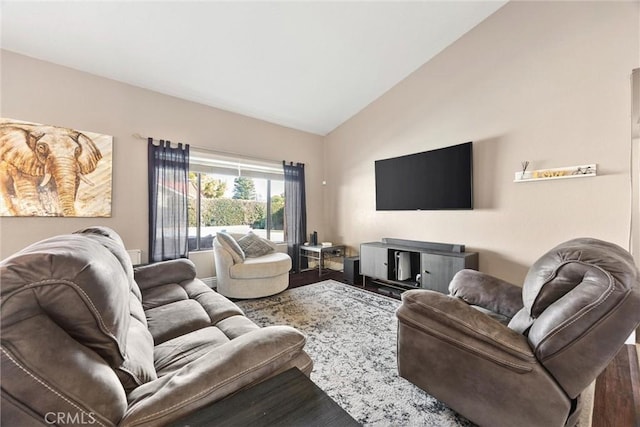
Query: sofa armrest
x=162 y=273
x=488 y=292
x=451 y=320
x=228 y=368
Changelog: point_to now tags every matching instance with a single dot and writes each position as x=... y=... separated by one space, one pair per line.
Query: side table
x=320 y=253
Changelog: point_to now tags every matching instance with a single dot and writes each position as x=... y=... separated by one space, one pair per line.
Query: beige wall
x=41 y=92
x=547 y=82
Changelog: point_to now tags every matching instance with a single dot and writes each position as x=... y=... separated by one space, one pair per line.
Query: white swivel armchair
x=240 y=276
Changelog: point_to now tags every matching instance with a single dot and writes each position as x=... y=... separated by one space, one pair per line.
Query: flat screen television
x=440 y=179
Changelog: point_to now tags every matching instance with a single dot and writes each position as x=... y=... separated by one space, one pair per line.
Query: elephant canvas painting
x=54 y=171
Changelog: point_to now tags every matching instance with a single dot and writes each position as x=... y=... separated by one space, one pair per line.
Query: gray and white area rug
x=351 y=337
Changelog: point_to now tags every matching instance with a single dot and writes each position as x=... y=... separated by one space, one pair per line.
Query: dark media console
x=410 y=264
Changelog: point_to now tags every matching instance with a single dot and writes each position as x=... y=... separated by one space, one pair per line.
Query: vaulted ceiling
x=306 y=65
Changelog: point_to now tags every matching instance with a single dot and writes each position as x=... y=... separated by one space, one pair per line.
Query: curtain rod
x=207 y=150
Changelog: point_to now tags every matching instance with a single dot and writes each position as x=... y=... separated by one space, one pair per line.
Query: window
x=236 y=195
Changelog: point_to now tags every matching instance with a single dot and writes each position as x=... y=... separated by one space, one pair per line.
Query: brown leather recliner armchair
x=577 y=306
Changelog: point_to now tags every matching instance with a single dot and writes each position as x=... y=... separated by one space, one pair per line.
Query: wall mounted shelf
x=580 y=171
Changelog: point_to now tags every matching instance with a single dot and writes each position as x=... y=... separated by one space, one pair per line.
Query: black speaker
x=352 y=270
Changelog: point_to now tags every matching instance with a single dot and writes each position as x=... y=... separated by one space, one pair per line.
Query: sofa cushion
x=45 y=370
x=180 y=308
x=172 y=355
x=165 y=272
x=80 y=284
x=163 y=295
x=217 y=307
x=220 y=372
x=254 y=246
x=230 y=244
x=269 y=265
x=110 y=240
x=137 y=368
x=175 y=319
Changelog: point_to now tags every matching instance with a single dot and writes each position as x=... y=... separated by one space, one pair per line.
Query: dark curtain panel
x=168 y=193
x=295 y=211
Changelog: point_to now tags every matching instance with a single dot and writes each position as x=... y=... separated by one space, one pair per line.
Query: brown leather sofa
x=88 y=340
x=577 y=306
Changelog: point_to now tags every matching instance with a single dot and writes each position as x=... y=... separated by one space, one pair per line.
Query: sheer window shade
x=216 y=163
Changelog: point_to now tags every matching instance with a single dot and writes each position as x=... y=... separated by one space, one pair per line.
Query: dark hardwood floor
x=311 y=276
x=617 y=390
x=616 y=402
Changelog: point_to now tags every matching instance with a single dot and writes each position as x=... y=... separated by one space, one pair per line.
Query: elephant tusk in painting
x=44 y=171
x=45 y=180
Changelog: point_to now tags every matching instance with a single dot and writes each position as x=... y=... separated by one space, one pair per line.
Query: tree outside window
x=244 y=188
x=235 y=204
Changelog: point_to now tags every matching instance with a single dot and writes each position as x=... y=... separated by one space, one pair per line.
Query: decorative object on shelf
x=583 y=170
x=525 y=165
x=54 y=171
x=580 y=171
